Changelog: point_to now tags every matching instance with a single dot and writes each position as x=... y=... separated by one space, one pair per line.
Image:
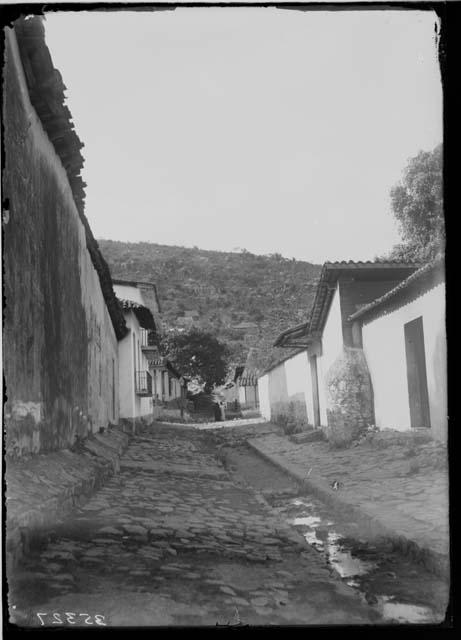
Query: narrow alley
x=224 y=330
x=183 y=535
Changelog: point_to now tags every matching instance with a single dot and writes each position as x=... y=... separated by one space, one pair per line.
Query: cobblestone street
x=173 y=540
x=395 y=477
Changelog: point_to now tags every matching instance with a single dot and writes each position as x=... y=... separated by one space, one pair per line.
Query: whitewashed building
x=333 y=349
x=135 y=380
x=404 y=340
x=283 y=390
x=375 y=344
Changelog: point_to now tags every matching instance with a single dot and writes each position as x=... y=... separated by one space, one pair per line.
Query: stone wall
x=60 y=348
x=349 y=397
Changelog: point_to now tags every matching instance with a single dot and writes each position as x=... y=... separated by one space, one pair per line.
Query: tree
x=417 y=204
x=197 y=354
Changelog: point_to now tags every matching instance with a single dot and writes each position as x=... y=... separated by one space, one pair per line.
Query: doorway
x=416 y=374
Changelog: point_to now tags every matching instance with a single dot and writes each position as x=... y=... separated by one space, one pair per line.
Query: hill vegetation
x=244 y=299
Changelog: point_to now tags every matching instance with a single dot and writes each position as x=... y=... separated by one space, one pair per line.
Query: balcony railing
x=143 y=383
x=148 y=341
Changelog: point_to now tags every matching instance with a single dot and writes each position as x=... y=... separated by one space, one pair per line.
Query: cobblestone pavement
x=403 y=481
x=172 y=540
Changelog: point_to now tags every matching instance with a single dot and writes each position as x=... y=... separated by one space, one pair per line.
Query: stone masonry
x=349 y=397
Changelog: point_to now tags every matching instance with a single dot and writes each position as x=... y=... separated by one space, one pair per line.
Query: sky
x=260 y=128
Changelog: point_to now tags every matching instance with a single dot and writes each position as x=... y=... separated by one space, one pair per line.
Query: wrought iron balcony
x=143 y=383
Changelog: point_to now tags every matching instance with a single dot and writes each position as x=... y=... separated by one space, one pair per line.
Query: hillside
x=244 y=299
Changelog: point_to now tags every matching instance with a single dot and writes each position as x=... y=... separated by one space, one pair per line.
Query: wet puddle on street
x=365 y=567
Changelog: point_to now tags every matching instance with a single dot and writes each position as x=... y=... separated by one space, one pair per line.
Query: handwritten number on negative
x=71 y=618
x=88 y=617
x=40 y=617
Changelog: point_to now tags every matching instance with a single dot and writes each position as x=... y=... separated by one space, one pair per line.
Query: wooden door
x=416 y=374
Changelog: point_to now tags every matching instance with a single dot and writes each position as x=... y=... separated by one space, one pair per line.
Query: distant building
x=185 y=322
x=246 y=382
x=191 y=313
x=168 y=383
x=157 y=382
x=246 y=327
x=135 y=379
x=149 y=295
x=284 y=390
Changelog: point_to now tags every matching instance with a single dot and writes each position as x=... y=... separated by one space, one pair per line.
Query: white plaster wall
x=264 y=402
x=127 y=292
x=131 y=360
x=145 y=403
x=167 y=386
x=278 y=384
x=310 y=392
x=241 y=392
x=298 y=378
x=126 y=371
x=177 y=388
x=145 y=408
x=384 y=347
x=158 y=375
x=332 y=346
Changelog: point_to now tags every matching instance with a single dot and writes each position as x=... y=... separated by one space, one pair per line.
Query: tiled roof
x=292 y=335
x=373 y=263
x=140 y=284
x=302 y=334
x=143 y=314
x=246 y=376
x=162 y=361
x=46 y=93
x=329 y=277
x=412 y=287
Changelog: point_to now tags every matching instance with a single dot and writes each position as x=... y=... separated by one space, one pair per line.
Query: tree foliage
x=417 y=204
x=197 y=354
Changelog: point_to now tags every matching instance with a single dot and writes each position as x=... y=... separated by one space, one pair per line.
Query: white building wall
x=158 y=376
x=126 y=371
x=131 y=359
x=332 y=347
x=145 y=408
x=298 y=378
x=264 y=401
x=127 y=292
x=384 y=347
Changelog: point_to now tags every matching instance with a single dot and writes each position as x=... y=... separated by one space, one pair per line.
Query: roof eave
x=433 y=274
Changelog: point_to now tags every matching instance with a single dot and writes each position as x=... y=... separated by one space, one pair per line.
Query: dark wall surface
x=46 y=321
x=355 y=293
